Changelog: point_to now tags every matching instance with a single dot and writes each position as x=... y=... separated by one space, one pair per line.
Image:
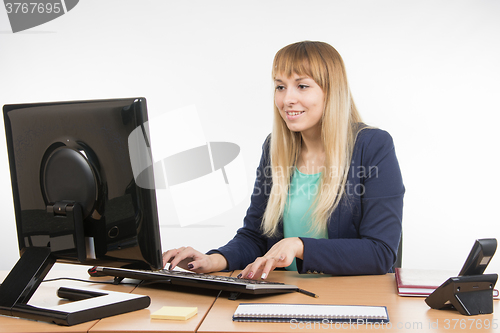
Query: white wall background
x=426 y=71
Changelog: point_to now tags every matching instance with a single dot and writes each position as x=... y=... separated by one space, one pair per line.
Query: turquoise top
x=296 y=218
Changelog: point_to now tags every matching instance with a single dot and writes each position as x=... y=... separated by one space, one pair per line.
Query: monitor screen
x=73 y=183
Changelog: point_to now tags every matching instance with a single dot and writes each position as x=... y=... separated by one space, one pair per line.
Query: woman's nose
x=290 y=97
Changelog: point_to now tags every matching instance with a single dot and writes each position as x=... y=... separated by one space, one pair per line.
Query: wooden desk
x=407 y=314
x=162 y=295
x=46 y=295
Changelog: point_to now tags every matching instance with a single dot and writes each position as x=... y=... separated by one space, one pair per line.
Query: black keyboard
x=201 y=280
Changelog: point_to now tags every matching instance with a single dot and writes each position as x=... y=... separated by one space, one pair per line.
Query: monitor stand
x=23 y=280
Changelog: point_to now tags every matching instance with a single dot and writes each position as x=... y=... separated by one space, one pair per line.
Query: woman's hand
x=280 y=255
x=190 y=259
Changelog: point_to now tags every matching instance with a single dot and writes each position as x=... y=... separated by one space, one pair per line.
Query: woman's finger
x=269 y=266
x=183 y=255
x=253 y=269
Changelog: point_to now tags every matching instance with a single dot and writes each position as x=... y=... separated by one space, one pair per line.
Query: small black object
x=233 y=296
x=117 y=280
x=471 y=293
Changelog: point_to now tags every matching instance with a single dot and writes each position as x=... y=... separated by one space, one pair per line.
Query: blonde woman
x=328 y=196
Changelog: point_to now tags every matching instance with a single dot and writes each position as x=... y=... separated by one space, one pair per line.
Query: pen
x=308 y=293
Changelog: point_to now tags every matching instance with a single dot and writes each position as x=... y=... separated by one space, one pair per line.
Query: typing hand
x=193 y=260
x=280 y=255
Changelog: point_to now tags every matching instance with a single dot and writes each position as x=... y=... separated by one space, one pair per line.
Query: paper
x=175 y=313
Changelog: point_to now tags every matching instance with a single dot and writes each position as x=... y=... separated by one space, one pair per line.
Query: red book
x=422 y=282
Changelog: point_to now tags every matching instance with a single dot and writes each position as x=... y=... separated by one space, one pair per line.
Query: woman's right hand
x=193 y=260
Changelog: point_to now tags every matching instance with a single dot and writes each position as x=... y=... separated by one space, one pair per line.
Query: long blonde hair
x=340 y=125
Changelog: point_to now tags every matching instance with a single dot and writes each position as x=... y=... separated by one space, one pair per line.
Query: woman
x=328 y=196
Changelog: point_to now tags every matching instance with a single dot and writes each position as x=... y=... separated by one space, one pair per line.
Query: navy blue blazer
x=363 y=231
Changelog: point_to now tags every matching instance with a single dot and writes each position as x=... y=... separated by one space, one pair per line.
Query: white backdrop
x=426 y=71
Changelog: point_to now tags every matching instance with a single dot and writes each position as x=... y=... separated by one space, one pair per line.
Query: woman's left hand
x=280 y=255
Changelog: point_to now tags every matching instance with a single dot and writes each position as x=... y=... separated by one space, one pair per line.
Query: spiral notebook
x=270 y=312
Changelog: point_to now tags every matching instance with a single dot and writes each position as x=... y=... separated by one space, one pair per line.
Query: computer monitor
x=76 y=198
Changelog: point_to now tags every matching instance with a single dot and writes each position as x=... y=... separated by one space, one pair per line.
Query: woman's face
x=300 y=102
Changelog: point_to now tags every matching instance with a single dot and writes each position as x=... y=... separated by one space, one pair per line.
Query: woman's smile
x=293 y=114
x=300 y=101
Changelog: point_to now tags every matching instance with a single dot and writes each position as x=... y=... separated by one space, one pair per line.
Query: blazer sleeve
x=249 y=243
x=380 y=206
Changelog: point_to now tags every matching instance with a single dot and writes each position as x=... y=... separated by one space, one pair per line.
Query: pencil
x=308 y=293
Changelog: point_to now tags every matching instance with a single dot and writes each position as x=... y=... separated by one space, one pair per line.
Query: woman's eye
x=303 y=86
x=280 y=87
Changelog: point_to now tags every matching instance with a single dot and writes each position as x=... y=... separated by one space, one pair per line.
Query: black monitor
x=76 y=197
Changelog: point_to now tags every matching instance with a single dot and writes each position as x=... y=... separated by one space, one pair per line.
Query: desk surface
x=162 y=295
x=407 y=314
